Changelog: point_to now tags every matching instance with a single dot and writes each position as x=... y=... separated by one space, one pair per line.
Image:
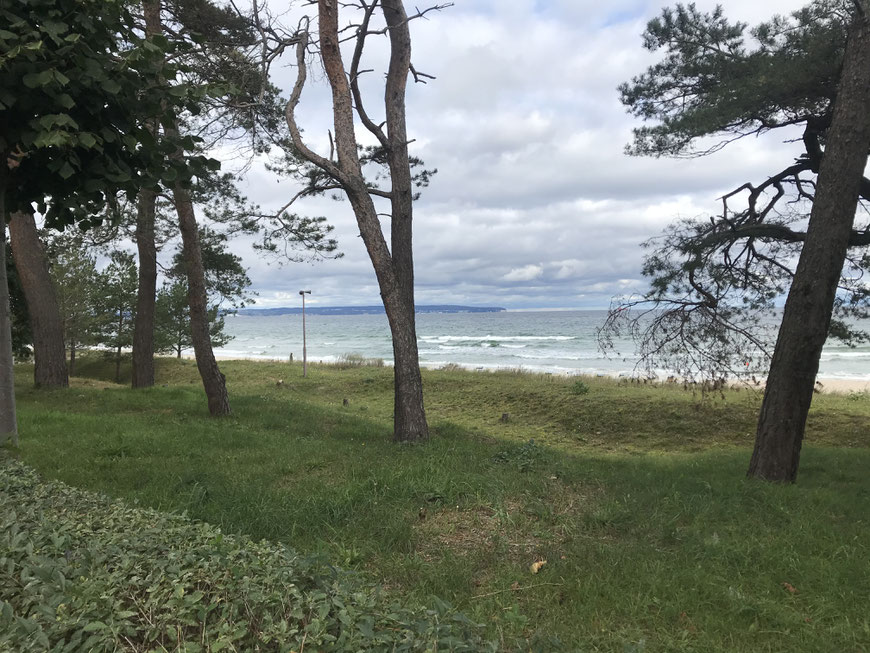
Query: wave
x=491 y=338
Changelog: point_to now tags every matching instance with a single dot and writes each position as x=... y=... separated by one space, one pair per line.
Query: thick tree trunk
x=394 y=269
x=72 y=356
x=30 y=261
x=143 y=329
x=212 y=380
x=8 y=420
x=807 y=315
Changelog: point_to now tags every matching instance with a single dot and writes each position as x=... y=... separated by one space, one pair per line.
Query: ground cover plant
x=83 y=573
x=633 y=495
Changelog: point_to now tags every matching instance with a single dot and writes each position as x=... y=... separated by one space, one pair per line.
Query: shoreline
x=829 y=385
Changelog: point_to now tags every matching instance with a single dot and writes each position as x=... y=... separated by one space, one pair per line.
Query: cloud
x=535 y=203
x=525 y=273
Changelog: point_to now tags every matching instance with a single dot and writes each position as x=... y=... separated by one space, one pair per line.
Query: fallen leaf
x=791 y=588
x=515 y=586
x=536 y=566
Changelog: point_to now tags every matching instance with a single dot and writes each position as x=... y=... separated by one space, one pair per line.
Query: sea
x=558 y=342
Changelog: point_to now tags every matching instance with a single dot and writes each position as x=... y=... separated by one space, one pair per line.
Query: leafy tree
x=118 y=284
x=74 y=78
x=714 y=282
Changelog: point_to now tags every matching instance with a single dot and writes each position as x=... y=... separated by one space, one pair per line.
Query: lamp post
x=304 y=351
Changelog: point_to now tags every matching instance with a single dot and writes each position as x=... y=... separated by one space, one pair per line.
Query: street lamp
x=304 y=351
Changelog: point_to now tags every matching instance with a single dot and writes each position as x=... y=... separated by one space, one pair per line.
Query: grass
x=634 y=495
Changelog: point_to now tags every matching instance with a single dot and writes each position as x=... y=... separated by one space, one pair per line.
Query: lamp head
x=304 y=292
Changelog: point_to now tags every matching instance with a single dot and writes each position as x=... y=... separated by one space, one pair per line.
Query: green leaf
x=66 y=170
x=111 y=86
x=87 y=139
x=35 y=80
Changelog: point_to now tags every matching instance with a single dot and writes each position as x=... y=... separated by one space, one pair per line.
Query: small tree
x=118 y=284
x=226 y=281
x=172 y=321
x=79 y=294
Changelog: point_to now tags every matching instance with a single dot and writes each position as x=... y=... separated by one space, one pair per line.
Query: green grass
x=634 y=494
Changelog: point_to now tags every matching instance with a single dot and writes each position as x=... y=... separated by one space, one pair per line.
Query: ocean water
x=561 y=342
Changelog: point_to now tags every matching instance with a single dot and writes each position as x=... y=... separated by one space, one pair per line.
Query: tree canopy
x=715 y=279
x=76 y=83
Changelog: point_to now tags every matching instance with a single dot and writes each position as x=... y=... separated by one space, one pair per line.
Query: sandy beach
x=843 y=385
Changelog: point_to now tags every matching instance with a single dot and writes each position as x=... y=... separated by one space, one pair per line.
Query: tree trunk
x=30 y=261
x=410 y=414
x=143 y=329
x=72 y=356
x=118 y=365
x=8 y=420
x=394 y=269
x=807 y=315
x=212 y=380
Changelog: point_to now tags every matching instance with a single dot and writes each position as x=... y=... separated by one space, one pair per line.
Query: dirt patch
x=469 y=531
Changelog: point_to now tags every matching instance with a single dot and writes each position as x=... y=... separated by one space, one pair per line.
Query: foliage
x=76 y=82
x=714 y=281
x=172 y=320
x=118 y=284
x=352 y=359
x=78 y=286
x=579 y=387
x=227 y=282
x=99 y=575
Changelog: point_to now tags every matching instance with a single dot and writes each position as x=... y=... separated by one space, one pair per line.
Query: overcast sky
x=535 y=205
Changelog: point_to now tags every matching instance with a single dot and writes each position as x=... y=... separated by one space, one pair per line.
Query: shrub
x=357 y=360
x=579 y=387
x=80 y=572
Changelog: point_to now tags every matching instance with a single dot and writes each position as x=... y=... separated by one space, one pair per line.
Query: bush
x=579 y=387
x=357 y=360
x=80 y=572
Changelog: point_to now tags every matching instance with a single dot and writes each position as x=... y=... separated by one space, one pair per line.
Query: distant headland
x=366 y=310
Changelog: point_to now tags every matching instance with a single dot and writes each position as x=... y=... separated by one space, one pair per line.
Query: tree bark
x=213 y=380
x=394 y=269
x=143 y=329
x=49 y=353
x=809 y=306
x=72 y=355
x=8 y=420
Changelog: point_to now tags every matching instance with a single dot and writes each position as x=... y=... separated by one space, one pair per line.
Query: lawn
x=634 y=495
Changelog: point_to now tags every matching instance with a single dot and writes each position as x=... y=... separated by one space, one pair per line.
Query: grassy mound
x=79 y=572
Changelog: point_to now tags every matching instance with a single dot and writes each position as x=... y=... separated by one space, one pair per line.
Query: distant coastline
x=366 y=310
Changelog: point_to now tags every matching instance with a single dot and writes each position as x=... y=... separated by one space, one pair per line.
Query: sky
x=535 y=204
